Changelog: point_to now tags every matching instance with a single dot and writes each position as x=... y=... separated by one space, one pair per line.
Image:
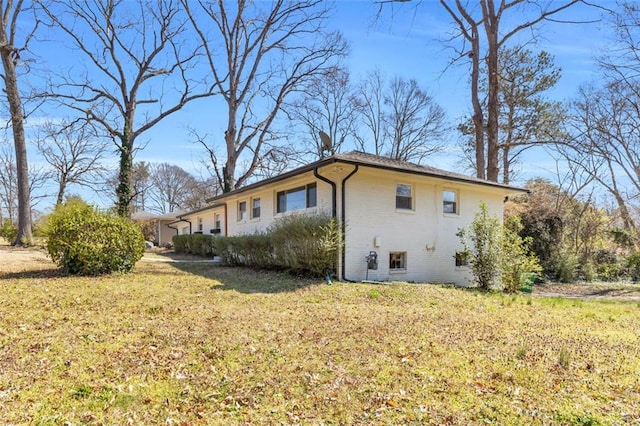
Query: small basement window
x=398 y=261
x=462 y=258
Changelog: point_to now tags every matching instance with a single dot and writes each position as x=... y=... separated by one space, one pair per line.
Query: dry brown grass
x=196 y=343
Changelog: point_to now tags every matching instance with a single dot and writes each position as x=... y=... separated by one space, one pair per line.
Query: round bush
x=84 y=241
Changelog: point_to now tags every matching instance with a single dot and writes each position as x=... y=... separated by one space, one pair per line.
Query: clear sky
x=406 y=40
x=402 y=40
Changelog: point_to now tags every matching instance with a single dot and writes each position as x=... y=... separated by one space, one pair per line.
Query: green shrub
x=520 y=265
x=84 y=241
x=254 y=250
x=298 y=243
x=196 y=244
x=8 y=231
x=306 y=243
x=498 y=256
x=632 y=264
x=567 y=266
x=482 y=240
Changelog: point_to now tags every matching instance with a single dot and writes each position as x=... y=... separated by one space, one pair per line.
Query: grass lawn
x=197 y=343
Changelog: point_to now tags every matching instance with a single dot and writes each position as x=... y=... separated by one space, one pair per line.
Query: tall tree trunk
x=478 y=116
x=229 y=170
x=9 y=56
x=61 y=190
x=125 y=176
x=493 y=102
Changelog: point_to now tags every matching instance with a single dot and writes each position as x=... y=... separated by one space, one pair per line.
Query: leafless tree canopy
x=269 y=51
x=136 y=66
x=74 y=152
x=326 y=105
x=171 y=188
x=400 y=118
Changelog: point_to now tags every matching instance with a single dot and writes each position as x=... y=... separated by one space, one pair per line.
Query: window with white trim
x=255 y=208
x=398 y=261
x=217 y=224
x=404 y=198
x=450 y=201
x=242 y=210
x=200 y=227
x=299 y=198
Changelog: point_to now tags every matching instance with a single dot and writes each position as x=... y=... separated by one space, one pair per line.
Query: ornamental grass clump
x=85 y=241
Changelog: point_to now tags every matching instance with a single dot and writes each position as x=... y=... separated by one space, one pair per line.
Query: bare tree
x=139 y=63
x=479 y=29
x=606 y=120
x=172 y=188
x=415 y=122
x=267 y=54
x=401 y=119
x=607 y=127
x=8 y=184
x=327 y=105
x=13 y=15
x=9 y=195
x=74 y=152
x=370 y=106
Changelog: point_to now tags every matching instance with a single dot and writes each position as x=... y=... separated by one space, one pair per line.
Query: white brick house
x=406 y=213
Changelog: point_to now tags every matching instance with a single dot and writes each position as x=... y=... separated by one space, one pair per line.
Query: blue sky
x=404 y=40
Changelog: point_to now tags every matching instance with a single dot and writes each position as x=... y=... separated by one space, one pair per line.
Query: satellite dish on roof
x=326 y=141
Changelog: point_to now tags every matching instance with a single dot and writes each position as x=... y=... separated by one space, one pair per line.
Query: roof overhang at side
x=370 y=161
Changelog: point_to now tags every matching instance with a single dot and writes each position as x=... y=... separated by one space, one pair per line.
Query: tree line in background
x=274 y=72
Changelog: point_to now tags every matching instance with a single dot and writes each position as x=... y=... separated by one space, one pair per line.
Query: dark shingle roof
x=376 y=161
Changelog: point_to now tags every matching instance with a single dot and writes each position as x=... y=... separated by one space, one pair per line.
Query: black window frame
x=310 y=195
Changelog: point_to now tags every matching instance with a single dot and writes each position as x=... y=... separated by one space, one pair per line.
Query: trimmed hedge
x=196 y=244
x=298 y=243
x=84 y=241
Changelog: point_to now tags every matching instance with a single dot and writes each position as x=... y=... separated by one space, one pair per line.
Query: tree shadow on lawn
x=246 y=280
x=52 y=272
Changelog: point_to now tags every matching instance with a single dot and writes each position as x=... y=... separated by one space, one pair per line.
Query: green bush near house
x=299 y=243
x=8 y=231
x=85 y=241
x=196 y=244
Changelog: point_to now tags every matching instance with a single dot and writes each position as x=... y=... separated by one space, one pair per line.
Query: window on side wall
x=242 y=210
x=218 y=221
x=255 y=208
x=200 y=227
x=185 y=230
x=398 y=261
x=450 y=201
x=299 y=198
x=404 y=199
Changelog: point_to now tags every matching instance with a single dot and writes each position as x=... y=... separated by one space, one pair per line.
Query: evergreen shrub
x=85 y=241
x=196 y=244
x=298 y=243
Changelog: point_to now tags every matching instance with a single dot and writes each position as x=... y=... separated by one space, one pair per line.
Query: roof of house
x=375 y=161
